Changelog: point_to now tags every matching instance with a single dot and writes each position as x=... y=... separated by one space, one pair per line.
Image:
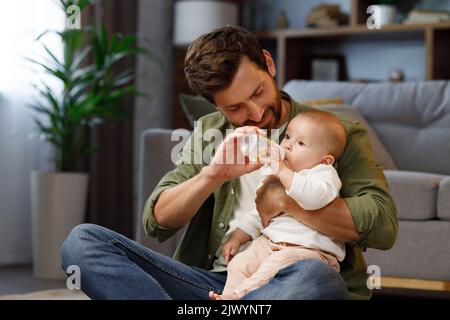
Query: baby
x=313 y=141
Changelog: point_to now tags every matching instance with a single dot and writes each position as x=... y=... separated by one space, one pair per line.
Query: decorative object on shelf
x=427 y=16
x=382 y=13
x=194 y=18
x=283 y=21
x=387 y=14
x=326 y=16
x=396 y=75
x=328 y=68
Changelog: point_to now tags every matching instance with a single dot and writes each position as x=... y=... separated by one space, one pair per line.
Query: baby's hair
x=334 y=132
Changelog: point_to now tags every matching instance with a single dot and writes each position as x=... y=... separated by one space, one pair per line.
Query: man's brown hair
x=213 y=59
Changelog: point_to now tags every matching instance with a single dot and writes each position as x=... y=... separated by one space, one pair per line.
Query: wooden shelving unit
x=294 y=47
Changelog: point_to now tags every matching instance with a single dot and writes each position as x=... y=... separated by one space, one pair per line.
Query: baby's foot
x=214 y=296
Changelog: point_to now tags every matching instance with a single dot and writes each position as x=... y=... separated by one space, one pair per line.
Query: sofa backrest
x=412 y=120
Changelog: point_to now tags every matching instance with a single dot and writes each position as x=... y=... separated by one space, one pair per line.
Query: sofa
x=409 y=126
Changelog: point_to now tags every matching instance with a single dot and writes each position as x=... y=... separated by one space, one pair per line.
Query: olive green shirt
x=364 y=189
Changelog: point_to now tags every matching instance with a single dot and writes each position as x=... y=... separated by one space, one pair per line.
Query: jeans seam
x=114 y=241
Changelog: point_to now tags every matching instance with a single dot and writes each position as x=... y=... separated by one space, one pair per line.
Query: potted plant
x=91 y=93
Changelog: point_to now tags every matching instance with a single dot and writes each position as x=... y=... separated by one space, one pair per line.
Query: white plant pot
x=58 y=203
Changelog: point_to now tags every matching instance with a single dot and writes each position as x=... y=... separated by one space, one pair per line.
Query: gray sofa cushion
x=415 y=193
x=422 y=251
x=443 y=205
x=382 y=156
x=412 y=120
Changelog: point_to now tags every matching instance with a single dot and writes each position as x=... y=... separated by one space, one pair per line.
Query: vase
x=58 y=204
x=387 y=14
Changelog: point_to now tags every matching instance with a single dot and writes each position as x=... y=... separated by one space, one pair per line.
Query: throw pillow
x=195 y=107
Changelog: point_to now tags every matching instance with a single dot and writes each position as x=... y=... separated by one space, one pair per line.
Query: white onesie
x=312 y=189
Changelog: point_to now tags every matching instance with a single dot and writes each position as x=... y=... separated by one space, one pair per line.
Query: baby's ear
x=328 y=159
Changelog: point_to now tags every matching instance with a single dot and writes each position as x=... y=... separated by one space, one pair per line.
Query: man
x=229 y=68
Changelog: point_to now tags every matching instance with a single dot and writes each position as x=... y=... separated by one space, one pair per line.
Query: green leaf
x=56 y=60
x=80 y=58
x=53 y=71
x=87 y=150
x=127 y=42
x=53 y=135
x=98 y=52
x=104 y=38
x=122 y=79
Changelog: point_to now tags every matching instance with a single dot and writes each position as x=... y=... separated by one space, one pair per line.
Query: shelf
x=295 y=46
x=349 y=30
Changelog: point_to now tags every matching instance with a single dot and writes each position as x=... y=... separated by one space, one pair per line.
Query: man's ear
x=328 y=159
x=270 y=63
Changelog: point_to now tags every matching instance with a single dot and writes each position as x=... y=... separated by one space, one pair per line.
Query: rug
x=54 y=294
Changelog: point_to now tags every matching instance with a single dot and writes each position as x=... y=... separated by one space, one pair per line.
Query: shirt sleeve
x=189 y=166
x=251 y=224
x=365 y=191
x=315 y=188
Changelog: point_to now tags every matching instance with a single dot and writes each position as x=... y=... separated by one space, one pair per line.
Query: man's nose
x=255 y=111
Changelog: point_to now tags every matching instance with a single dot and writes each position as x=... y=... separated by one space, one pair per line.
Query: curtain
x=21 y=151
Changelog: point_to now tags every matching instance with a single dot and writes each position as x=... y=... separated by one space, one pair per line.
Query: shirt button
x=221 y=225
x=232 y=191
x=209 y=256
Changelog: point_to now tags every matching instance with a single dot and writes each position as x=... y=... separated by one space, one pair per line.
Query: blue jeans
x=115 y=267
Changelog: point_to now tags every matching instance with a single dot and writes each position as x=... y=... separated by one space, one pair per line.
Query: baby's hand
x=278 y=167
x=229 y=249
x=273 y=158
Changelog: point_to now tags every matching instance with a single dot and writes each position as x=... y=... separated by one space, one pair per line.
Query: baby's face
x=302 y=144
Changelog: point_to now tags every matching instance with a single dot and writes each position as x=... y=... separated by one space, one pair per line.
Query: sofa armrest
x=154 y=162
x=415 y=193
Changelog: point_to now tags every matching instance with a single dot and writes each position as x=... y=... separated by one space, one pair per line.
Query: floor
x=409 y=294
x=19 y=280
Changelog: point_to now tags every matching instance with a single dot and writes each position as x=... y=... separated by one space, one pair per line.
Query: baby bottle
x=255 y=147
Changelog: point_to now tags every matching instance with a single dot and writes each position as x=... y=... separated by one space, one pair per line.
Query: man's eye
x=287 y=136
x=258 y=93
x=301 y=143
x=233 y=109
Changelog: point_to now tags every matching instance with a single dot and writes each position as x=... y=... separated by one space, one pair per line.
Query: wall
x=363 y=56
x=21 y=150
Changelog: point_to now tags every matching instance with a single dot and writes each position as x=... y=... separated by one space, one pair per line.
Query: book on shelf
x=326 y=15
x=427 y=16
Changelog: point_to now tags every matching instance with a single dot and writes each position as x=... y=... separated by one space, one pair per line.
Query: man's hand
x=230 y=248
x=228 y=162
x=271 y=199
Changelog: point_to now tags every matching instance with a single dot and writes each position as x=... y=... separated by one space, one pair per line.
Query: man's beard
x=277 y=111
x=274 y=110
